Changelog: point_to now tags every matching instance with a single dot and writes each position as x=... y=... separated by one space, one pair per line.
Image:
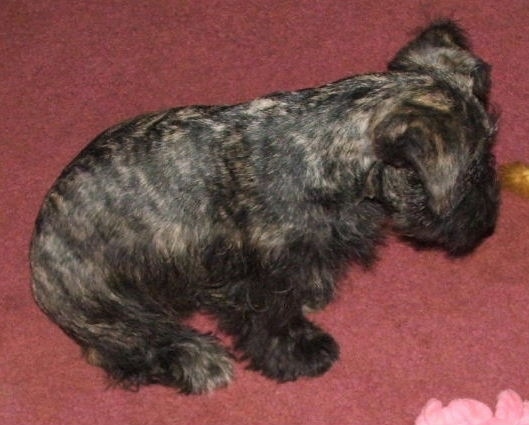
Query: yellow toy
x=515 y=178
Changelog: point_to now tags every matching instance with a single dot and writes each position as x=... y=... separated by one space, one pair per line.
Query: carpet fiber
x=417 y=326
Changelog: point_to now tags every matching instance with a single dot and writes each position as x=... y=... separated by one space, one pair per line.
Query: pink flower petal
x=525 y=414
x=510 y=410
x=458 y=412
x=431 y=413
x=509 y=407
x=467 y=411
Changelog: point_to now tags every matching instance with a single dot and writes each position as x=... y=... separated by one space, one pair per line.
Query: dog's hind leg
x=142 y=351
x=138 y=345
x=120 y=328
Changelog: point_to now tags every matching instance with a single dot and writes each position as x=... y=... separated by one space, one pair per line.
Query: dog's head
x=438 y=177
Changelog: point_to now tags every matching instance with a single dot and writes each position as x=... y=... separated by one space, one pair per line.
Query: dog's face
x=439 y=180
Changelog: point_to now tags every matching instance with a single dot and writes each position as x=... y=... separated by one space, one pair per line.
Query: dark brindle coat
x=251 y=211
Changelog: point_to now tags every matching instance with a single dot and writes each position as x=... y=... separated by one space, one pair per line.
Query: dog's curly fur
x=251 y=212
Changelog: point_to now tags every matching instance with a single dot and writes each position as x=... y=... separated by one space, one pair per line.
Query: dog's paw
x=202 y=368
x=192 y=365
x=298 y=351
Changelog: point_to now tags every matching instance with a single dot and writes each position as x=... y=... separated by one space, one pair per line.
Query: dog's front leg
x=279 y=341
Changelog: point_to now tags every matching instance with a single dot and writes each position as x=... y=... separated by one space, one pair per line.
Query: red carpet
x=417 y=326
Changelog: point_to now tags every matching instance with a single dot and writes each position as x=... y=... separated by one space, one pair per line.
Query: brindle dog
x=251 y=212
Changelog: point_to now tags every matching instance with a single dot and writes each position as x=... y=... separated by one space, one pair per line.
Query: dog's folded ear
x=444 y=47
x=418 y=144
x=431 y=47
x=439 y=34
x=397 y=143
